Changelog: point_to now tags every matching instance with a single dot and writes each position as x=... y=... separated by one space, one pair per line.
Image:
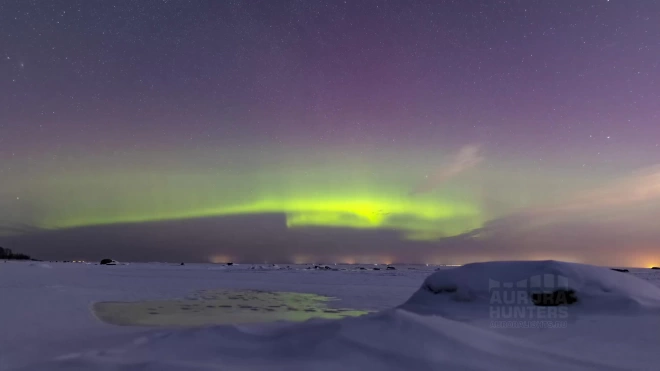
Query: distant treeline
x=7 y=254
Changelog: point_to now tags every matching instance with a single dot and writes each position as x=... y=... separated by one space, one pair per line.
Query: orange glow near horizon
x=623 y=261
x=650 y=263
x=637 y=261
x=220 y=259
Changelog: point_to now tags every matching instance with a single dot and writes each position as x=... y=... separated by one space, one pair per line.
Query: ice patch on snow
x=214 y=307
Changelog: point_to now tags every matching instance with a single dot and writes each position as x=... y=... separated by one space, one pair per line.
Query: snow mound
x=475 y=286
x=441 y=327
x=390 y=340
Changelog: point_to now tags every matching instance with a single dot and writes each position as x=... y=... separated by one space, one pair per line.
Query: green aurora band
x=321 y=198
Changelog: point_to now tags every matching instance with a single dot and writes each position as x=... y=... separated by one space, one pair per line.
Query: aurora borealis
x=308 y=194
x=362 y=131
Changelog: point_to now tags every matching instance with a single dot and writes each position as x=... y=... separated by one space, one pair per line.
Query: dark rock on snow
x=555 y=298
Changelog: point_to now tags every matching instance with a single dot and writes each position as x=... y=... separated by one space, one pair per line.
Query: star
x=333 y=107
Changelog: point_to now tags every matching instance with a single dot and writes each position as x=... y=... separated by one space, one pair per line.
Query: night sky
x=335 y=131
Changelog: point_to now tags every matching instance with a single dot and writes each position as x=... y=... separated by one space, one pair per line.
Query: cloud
x=634 y=199
x=468 y=157
x=639 y=188
x=614 y=223
x=14 y=228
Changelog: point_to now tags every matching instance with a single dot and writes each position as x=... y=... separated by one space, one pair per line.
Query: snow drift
x=469 y=290
x=438 y=328
x=391 y=340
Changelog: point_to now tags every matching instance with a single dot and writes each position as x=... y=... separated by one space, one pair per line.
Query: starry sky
x=352 y=131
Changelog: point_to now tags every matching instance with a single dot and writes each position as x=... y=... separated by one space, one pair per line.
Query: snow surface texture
x=446 y=324
x=453 y=293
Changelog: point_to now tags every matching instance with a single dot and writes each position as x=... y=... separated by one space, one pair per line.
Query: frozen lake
x=68 y=316
x=52 y=304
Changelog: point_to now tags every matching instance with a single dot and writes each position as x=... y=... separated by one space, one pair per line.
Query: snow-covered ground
x=65 y=316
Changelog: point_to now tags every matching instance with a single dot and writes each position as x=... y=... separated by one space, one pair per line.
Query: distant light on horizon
x=217 y=259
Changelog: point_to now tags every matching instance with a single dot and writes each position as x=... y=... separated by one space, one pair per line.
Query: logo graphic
x=540 y=301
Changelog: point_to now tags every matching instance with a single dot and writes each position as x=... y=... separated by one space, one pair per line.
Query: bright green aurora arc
x=361 y=195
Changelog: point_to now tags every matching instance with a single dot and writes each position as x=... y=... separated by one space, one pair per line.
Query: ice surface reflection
x=215 y=307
